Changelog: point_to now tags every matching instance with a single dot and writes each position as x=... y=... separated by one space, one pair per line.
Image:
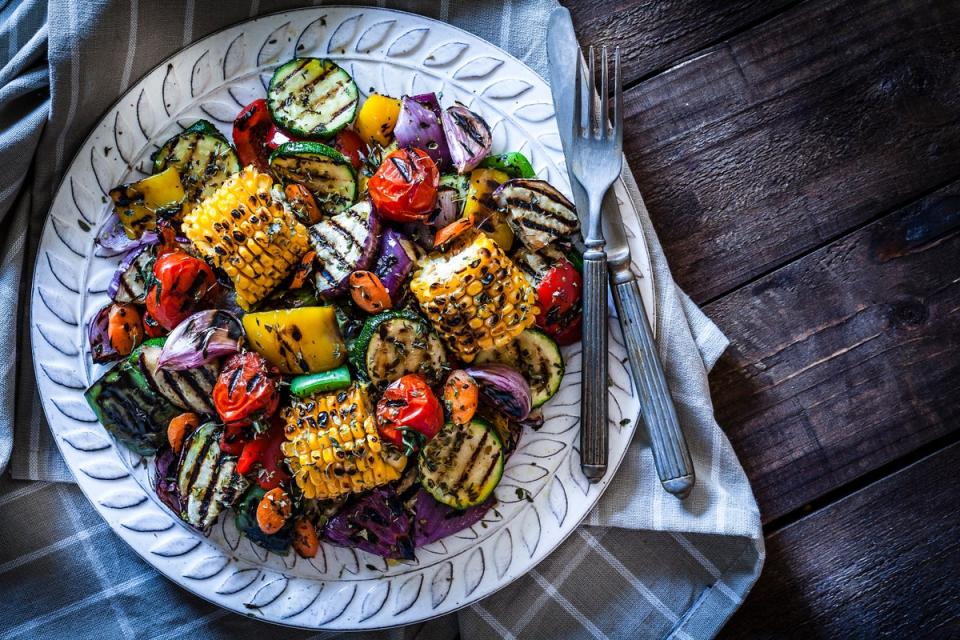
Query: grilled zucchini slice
x=207 y=478
x=462 y=465
x=396 y=343
x=190 y=390
x=538 y=213
x=321 y=169
x=537 y=357
x=202 y=156
x=312 y=97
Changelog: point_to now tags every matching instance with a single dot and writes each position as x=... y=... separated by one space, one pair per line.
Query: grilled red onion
x=129 y=281
x=200 y=338
x=418 y=125
x=397 y=257
x=503 y=387
x=113 y=239
x=468 y=137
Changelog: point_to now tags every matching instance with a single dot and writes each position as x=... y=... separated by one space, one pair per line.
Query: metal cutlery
x=670 y=452
x=596 y=160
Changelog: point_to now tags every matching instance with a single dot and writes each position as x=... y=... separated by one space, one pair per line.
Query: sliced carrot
x=180 y=427
x=368 y=292
x=452 y=231
x=124 y=328
x=273 y=511
x=305 y=541
x=461 y=395
x=303 y=270
x=303 y=203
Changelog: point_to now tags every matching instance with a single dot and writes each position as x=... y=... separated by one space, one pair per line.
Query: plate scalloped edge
x=543 y=495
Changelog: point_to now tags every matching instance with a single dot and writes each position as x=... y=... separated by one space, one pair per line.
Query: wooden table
x=801 y=162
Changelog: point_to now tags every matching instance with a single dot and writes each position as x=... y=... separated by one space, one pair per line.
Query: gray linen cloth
x=645 y=565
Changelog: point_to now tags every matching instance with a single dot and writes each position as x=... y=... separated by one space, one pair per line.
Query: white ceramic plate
x=543 y=495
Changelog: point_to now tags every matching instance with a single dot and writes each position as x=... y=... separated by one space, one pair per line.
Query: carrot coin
x=460 y=396
x=124 y=328
x=180 y=427
x=303 y=203
x=368 y=292
x=273 y=511
x=305 y=541
x=452 y=231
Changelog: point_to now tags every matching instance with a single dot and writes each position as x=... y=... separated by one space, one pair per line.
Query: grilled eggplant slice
x=207 y=478
x=202 y=156
x=312 y=97
x=537 y=357
x=396 y=343
x=129 y=407
x=462 y=465
x=344 y=243
x=326 y=172
x=189 y=389
x=538 y=213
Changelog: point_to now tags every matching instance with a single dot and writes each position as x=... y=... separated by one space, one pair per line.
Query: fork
x=596 y=161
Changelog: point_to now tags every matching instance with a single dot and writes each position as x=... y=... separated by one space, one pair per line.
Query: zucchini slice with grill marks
x=396 y=343
x=312 y=97
x=323 y=170
x=202 y=156
x=462 y=465
x=538 y=213
x=190 y=389
x=207 y=478
x=537 y=357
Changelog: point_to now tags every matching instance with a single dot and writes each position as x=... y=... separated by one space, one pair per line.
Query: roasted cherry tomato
x=151 y=327
x=183 y=283
x=351 y=145
x=408 y=413
x=559 y=293
x=368 y=292
x=250 y=131
x=246 y=390
x=262 y=456
x=404 y=188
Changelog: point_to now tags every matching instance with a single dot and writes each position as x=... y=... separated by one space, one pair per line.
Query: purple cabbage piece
x=167 y=491
x=435 y=520
x=375 y=522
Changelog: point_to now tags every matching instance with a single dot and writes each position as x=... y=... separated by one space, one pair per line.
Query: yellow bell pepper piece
x=483 y=182
x=304 y=340
x=137 y=203
x=376 y=119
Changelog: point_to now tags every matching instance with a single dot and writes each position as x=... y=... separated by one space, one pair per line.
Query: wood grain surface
x=801 y=162
x=882 y=563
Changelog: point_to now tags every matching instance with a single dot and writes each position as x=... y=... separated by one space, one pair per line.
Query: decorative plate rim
x=98 y=464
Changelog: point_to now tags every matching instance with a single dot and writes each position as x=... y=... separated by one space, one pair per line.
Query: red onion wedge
x=398 y=254
x=202 y=337
x=468 y=137
x=418 y=125
x=505 y=388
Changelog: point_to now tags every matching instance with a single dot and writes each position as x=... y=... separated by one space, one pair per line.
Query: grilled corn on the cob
x=333 y=448
x=248 y=234
x=474 y=295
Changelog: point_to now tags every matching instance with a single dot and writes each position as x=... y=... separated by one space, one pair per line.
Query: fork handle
x=593 y=407
x=671 y=456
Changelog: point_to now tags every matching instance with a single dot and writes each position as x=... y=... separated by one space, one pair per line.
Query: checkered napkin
x=645 y=565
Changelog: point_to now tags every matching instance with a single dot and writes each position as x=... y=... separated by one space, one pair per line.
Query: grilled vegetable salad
x=338 y=325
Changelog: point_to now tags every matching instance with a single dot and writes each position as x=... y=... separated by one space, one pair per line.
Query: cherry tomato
x=246 y=389
x=404 y=188
x=151 y=327
x=408 y=412
x=559 y=293
x=368 y=292
x=461 y=396
x=351 y=145
x=262 y=455
x=234 y=439
x=250 y=131
x=183 y=283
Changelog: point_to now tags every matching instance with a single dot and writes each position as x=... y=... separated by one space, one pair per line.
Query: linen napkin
x=645 y=565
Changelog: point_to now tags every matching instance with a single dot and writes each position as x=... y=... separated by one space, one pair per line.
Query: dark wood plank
x=847 y=358
x=653 y=34
x=881 y=563
x=794 y=132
